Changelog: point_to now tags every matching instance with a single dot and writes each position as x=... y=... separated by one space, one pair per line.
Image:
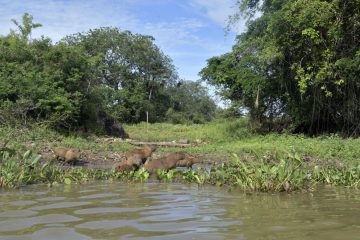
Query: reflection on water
x=175 y=211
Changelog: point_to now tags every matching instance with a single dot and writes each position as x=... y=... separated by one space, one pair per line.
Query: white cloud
x=219 y=12
x=181 y=37
x=61 y=18
x=175 y=33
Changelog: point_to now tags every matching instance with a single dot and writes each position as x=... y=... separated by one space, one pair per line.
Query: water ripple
x=24 y=223
x=60 y=205
x=17 y=213
x=173 y=211
x=101 y=195
x=105 y=210
x=61 y=233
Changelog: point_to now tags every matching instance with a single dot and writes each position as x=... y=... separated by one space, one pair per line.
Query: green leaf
x=27 y=154
x=35 y=160
x=67 y=181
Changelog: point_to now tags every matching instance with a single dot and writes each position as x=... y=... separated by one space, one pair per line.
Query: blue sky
x=189 y=31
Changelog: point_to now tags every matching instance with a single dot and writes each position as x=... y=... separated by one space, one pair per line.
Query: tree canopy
x=190 y=102
x=131 y=69
x=69 y=84
x=300 y=59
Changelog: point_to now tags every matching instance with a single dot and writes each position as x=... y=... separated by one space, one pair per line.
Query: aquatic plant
x=284 y=175
x=260 y=163
x=16 y=169
x=346 y=176
x=141 y=175
x=166 y=175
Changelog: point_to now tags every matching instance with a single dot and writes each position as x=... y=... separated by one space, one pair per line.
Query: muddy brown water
x=175 y=211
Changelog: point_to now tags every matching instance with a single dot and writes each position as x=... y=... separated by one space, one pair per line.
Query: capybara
x=187 y=162
x=60 y=153
x=67 y=154
x=72 y=155
x=133 y=163
x=123 y=166
x=143 y=154
x=167 y=162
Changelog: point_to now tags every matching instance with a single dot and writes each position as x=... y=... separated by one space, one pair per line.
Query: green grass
x=216 y=131
x=284 y=174
x=224 y=138
x=219 y=138
x=273 y=162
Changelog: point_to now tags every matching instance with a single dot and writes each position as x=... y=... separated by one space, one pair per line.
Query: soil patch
x=106 y=159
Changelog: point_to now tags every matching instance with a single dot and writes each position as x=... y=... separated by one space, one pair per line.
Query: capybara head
x=60 y=152
x=72 y=155
x=134 y=161
x=150 y=148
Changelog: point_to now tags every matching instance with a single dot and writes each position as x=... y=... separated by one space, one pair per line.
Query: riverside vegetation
x=295 y=70
x=236 y=157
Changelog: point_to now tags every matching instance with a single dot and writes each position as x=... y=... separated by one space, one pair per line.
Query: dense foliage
x=131 y=68
x=190 y=103
x=66 y=84
x=299 y=60
x=41 y=80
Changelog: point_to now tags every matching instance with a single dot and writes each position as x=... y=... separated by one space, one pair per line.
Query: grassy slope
x=282 y=169
x=226 y=137
x=222 y=138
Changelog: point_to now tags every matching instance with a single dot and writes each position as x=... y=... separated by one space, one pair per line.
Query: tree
x=130 y=67
x=26 y=26
x=299 y=59
x=43 y=81
x=92 y=80
x=190 y=103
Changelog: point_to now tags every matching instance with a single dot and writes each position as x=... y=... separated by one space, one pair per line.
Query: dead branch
x=164 y=144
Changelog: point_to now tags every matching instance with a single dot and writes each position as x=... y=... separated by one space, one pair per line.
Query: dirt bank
x=105 y=159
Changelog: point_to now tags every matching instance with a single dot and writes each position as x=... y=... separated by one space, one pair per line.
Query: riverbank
x=232 y=154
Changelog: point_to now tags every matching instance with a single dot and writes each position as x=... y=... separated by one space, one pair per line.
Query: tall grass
x=273 y=162
x=225 y=137
x=263 y=174
x=216 y=131
x=221 y=138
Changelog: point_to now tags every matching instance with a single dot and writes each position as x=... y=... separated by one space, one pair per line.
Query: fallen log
x=164 y=144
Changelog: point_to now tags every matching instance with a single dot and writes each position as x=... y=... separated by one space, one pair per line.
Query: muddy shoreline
x=106 y=159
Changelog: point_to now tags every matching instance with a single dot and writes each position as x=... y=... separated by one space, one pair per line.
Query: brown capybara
x=72 y=155
x=67 y=154
x=167 y=162
x=133 y=163
x=187 y=162
x=123 y=166
x=143 y=154
x=60 y=153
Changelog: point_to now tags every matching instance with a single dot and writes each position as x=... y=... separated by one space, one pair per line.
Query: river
x=176 y=211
